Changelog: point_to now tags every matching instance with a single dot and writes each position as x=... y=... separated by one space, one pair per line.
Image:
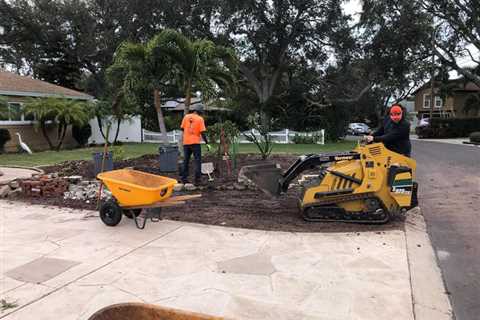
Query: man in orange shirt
x=193 y=127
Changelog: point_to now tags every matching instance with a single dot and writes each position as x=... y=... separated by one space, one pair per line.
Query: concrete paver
x=236 y=273
x=12 y=173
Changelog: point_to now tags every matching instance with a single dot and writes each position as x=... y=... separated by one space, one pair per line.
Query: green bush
x=81 y=134
x=4 y=138
x=475 y=137
x=449 y=128
x=303 y=139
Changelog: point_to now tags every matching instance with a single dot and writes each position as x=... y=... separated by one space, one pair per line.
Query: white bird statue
x=23 y=144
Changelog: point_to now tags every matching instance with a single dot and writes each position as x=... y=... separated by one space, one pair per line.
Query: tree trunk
x=99 y=121
x=61 y=137
x=45 y=134
x=118 y=130
x=161 y=119
x=188 y=98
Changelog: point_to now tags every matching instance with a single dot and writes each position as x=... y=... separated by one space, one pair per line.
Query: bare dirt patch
x=233 y=208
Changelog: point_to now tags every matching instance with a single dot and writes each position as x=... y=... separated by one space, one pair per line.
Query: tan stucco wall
x=34 y=137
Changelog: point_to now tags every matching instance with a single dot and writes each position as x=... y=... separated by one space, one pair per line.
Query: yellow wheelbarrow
x=134 y=191
x=143 y=311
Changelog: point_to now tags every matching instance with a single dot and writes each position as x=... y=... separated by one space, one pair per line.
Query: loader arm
x=311 y=161
x=270 y=178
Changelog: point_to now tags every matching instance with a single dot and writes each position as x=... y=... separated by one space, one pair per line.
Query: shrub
x=81 y=134
x=304 y=139
x=4 y=138
x=449 y=128
x=475 y=137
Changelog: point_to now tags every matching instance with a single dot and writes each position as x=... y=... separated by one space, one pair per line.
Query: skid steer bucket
x=267 y=177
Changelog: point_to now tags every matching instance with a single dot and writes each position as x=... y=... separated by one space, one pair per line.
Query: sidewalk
x=65 y=264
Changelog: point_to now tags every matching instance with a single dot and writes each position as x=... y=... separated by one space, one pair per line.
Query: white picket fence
x=282 y=136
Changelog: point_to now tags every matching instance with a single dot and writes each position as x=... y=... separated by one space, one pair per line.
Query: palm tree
x=69 y=112
x=63 y=112
x=170 y=58
x=198 y=64
x=3 y=108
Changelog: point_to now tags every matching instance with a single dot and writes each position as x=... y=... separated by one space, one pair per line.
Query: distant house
x=17 y=90
x=453 y=105
x=179 y=105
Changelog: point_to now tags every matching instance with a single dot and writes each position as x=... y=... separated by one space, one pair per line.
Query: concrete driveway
x=65 y=264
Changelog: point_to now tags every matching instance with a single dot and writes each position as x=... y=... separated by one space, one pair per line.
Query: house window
x=438 y=102
x=426 y=101
x=13 y=114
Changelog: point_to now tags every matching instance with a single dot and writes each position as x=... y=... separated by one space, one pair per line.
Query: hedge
x=449 y=128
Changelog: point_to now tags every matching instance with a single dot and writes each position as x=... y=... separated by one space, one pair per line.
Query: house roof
x=12 y=84
x=461 y=85
x=180 y=106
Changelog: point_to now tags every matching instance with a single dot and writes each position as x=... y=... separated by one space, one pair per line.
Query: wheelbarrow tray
x=142 y=311
x=137 y=188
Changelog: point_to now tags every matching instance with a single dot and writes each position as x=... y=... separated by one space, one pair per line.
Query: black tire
x=110 y=213
x=414 y=202
x=129 y=213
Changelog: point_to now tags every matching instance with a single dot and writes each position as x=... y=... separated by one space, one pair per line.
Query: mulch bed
x=233 y=208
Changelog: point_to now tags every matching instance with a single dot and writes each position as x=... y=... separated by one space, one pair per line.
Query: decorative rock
x=54 y=175
x=178 y=187
x=14 y=193
x=74 y=179
x=239 y=186
x=230 y=188
x=190 y=187
x=14 y=184
x=4 y=190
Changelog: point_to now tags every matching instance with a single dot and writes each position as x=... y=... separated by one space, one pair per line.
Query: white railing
x=282 y=136
x=156 y=137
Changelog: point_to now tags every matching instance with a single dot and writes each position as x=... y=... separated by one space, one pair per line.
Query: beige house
x=17 y=90
x=450 y=106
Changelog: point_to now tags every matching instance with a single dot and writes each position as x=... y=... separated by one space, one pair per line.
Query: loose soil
x=233 y=208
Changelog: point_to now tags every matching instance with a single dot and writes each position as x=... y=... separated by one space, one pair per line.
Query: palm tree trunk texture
x=161 y=119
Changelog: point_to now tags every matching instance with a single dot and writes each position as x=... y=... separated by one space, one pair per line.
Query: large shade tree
x=458 y=34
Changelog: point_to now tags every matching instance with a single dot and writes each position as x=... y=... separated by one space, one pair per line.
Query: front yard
x=134 y=150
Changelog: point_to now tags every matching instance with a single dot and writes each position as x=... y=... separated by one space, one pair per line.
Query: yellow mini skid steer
x=368 y=184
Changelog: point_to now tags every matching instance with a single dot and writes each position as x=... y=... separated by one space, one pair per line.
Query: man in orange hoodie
x=193 y=127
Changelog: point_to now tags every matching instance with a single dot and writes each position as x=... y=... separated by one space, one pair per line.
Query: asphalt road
x=449 y=193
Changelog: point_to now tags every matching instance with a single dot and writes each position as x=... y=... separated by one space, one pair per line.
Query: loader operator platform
x=394 y=132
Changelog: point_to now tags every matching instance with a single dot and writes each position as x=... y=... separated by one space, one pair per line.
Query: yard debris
x=85 y=191
x=14 y=184
x=190 y=187
x=4 y=190
x=45 y=186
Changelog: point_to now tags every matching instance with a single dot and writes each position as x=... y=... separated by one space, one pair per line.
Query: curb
x=429 y=296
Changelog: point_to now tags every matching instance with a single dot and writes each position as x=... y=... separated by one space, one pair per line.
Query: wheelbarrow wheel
x=110 y=213
x=132 y=212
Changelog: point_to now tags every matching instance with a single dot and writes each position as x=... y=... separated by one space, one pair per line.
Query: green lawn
x=135 y=150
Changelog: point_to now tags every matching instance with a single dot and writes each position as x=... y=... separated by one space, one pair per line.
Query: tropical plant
x=63 y=112
x=3 y=108
x=4 y=138
x=167 y=60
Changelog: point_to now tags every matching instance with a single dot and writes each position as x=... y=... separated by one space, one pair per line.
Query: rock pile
x=10 y=190
x=49 y=185
x=84 y=190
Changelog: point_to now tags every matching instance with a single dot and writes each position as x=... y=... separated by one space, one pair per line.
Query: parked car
x=357 y=128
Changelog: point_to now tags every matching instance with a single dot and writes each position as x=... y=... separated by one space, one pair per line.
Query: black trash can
x=168 y=157
x=97 y=162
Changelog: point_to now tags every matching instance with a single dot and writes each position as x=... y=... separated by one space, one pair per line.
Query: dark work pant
x=197 y=156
